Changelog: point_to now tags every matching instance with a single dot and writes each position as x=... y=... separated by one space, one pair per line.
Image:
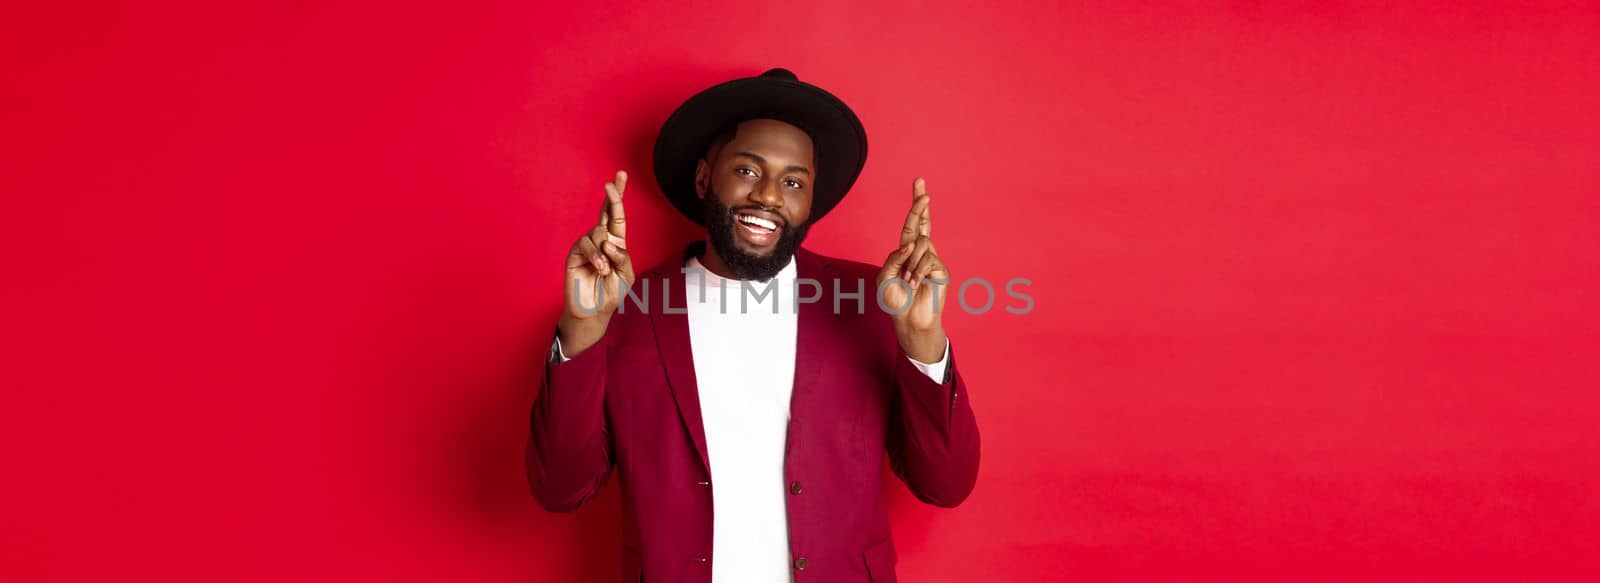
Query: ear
x=702 y=177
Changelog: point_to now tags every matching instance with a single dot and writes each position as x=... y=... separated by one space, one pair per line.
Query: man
x=749 y=429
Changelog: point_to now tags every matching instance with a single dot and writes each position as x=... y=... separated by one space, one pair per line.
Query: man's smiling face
x=756 y=183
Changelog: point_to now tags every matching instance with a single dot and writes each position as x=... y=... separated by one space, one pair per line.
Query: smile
x=758 y=222
x=755 y=229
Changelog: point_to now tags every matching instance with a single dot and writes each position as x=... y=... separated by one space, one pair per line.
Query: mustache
x=768 y=213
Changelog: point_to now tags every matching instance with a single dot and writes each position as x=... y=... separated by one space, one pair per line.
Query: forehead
x=777 y=141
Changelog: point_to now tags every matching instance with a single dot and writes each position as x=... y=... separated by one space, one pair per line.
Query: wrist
x=577 y=335
x=924 y=346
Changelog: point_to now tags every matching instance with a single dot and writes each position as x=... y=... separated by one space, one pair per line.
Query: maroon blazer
x=630 y=402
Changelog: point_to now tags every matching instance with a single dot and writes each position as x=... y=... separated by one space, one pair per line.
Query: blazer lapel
x=810 y=340
x=672 y=342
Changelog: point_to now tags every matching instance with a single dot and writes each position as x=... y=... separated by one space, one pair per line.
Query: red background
x=1315 y=285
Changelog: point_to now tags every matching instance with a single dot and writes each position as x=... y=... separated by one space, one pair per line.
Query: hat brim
x=836 y=133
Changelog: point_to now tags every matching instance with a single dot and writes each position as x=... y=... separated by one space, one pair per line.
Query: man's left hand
x=916 y=262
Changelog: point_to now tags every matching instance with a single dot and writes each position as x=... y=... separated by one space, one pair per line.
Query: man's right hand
x=598 y=261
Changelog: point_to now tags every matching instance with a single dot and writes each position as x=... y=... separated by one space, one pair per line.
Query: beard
x=720 y=224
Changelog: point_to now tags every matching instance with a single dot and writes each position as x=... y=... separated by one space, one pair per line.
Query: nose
x=766 y=194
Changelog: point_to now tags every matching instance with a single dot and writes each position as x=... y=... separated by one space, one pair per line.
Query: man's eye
x=745 y=171
x=792 y=183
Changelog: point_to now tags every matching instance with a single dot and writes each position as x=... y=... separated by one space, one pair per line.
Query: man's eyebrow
x=758 y=158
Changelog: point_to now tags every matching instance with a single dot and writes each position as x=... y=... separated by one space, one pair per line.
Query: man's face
x=757 y=193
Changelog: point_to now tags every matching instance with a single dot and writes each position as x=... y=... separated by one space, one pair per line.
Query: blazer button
x=702 y=560
x=800 y=564
x=794 y=487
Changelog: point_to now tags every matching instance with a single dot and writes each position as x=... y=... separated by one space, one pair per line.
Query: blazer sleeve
x=569 y=454
x=933 y=435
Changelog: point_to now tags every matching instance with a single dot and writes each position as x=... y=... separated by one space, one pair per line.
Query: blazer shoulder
x=826 y=266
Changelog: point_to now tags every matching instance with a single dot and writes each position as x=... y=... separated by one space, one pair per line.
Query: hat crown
x=781 y=73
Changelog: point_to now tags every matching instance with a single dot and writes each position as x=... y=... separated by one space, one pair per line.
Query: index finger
x=914 y=220
x=612 y=216
x=919 y=189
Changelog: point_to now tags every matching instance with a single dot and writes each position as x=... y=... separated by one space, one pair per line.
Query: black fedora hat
x=837 y=135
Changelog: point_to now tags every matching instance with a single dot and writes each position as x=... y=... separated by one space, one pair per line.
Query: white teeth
x=758 y=221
